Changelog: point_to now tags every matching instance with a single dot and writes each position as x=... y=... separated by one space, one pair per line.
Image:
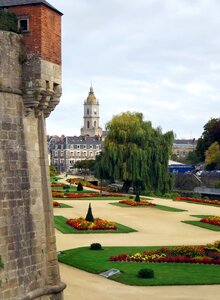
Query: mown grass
x=201 y=216
x=165 y=273
x=62 y=205
x=60 y=224
x=161 y=207
x=203 y=225
x=72 y=189
x=91 y=198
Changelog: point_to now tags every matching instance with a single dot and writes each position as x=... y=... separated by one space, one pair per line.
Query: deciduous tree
x=210 y=135
x=136 y=153
x=212 y=155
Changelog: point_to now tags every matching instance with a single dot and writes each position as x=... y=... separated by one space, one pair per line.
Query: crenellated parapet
x=41 y=85
x=37 y=80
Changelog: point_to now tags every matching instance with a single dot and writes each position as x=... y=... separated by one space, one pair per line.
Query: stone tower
x=91 y=116
x=30 y=88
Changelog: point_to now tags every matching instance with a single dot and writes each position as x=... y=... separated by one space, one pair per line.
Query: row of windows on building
x=77 y=154
x=63 y=162
x=72 y=146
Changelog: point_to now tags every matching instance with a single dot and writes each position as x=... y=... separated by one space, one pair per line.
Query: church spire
x=91 y=97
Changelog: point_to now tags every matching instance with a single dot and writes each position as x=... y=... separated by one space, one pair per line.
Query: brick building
x=40 y=25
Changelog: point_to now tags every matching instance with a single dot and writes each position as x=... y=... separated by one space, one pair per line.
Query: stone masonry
x=27 y=240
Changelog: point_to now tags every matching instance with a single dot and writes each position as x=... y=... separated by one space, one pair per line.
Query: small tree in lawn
x=89 y=216
x=79 y=187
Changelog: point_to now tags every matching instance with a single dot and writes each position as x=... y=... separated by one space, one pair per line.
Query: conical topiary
x=79 y=187
x=137 y=198
x=89 y=216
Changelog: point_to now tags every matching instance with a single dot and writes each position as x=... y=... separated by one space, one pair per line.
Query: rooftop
x=9 y=3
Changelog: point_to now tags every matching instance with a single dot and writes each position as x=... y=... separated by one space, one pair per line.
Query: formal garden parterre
x=61 y=224
x=208 y=254
x=198 y=200
x=171 y=265
x=206 y=222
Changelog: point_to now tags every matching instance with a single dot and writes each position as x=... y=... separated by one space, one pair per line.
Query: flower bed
x=131 y=202
x=56 y=204
x=214 y=220
x=98 y=224
x=57 y=194
x=86 y=184
x=81 y=195
x=57 y=184
x=208 y=254
x=197 y=200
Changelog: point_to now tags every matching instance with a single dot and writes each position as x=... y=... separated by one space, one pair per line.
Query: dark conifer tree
x=89 y=216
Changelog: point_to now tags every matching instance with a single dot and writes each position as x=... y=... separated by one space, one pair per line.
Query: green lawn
x=60 y=224
x=165 y=273
x=203 y=225
x=162 y=207
x=62 y=205
x=72 y=189
x=201 y=216
x=92 y=198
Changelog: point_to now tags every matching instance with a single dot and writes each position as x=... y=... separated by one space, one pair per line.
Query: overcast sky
x=158 y=57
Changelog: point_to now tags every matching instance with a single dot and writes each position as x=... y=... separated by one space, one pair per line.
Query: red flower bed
x=57 y=185
x=197 y=200
x=131 y=202
x=56 y=204
x=81 y=195
x=98 y=224
x=209 y=254
x=214 y=220
x=57 y=194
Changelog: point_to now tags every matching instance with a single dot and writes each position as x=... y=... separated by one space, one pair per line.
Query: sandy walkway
x=155 y=227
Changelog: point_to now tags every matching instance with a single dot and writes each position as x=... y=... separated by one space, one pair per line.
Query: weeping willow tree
x=136 y=153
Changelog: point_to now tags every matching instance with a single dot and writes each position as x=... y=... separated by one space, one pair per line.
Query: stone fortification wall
x=27 y=240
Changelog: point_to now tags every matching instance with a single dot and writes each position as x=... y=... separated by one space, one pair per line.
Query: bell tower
x=91 y=116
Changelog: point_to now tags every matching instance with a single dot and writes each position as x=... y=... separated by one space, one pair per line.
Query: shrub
x=89 y=216
x=137 y=198
x=8 y=21
x=95 y=246
x=66 y=187
x=217 y=185
x=79 y=187
x=146 y=273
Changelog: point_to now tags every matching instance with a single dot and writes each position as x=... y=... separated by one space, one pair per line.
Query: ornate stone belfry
x=91 y=116
x=30 y=88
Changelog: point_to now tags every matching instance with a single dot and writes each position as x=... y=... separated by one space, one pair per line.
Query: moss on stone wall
x=8 y=21
x=1 y=263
